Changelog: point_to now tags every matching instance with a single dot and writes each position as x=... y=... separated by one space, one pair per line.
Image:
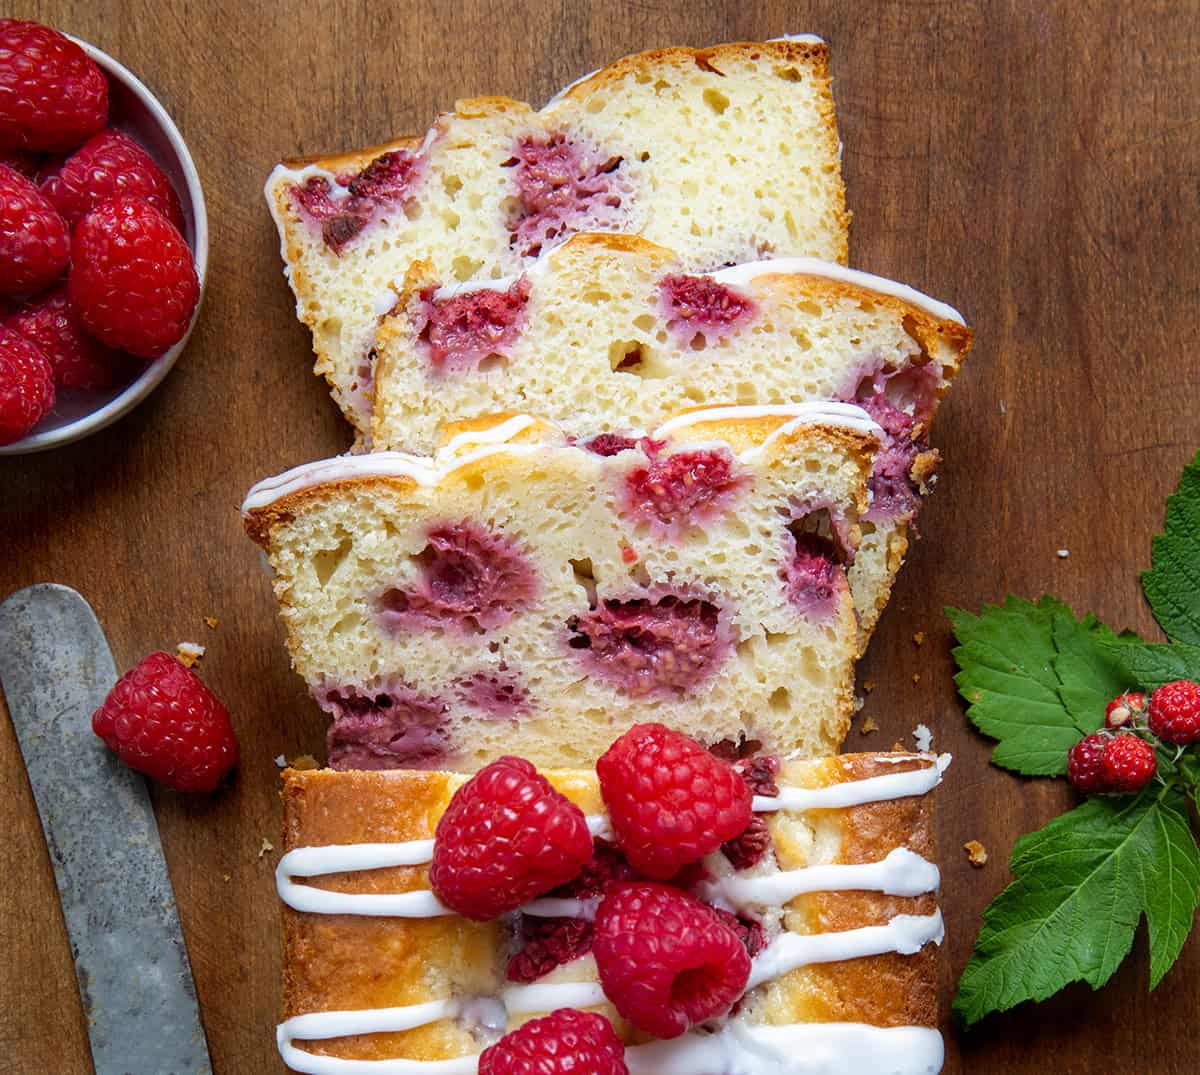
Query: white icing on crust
x=906 y=934
x=745 y=274
x=901 y=873
x=802 y=39
x=856 y=792
x=430 y=470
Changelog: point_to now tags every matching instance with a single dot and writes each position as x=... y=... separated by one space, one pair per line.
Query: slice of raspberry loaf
x=727 y=153
x=608 y=333
x=517 y=592
x=781 y=921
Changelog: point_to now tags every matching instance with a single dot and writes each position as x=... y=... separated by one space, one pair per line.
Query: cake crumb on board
x=266 y=846
x=977 y=854
x=868 y=726
x=189 y=653
x=211 y=621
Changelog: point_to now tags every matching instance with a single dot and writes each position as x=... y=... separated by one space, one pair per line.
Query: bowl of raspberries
x=103 y=239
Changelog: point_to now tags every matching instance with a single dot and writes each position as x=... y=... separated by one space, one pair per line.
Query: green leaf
x=1172 y=585
x=1089 y=675
x=1151 y=665
x=1081 y=886
x=1006 y=658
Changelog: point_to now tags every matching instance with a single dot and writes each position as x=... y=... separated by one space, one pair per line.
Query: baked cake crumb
x=916 y=677
x=868 y=726
x=304 y=761
x=188 y=653
x=923 y=737
x=266 y=846
x=1063 y=553
x=868 y=686
x=919 y=638
x=976 y=853
x=212 y=621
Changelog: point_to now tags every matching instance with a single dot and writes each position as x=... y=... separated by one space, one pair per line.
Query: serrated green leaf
x=1172 y=585
x=1080 y=887
x=1089 y=676
x=1006 y=658
x=1150 y=665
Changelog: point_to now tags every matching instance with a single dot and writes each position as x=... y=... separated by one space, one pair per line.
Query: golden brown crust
x=354 y=159
x=338 y=962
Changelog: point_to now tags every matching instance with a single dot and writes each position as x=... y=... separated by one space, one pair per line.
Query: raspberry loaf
x=608 y=333
x=840 y=914
x=725 y=154
x=518 y=593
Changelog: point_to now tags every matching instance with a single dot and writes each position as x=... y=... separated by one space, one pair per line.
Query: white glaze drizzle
x=549 y=996
x=742 y=275
x=497 y=434
x=856 y=792
x=562 y=908
x=803 y=39
x=905 y=934
x=430 y=470
x=900 y=873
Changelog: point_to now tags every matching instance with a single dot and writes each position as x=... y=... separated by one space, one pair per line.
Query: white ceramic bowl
x=136 y=111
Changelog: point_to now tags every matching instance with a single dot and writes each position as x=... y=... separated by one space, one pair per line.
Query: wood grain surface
x=1035 y=164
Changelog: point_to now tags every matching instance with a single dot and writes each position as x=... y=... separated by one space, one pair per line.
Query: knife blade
x=130 y=960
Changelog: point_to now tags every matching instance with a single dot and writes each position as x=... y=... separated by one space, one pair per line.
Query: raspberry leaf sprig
x=1039 y=680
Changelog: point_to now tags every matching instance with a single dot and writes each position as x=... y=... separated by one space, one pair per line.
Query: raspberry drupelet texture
x=52 y=95
x=78 y=361
x=26 y=386
x=1175 y=712
x=1085 y=764
x=701 y=310
x=683 y=489
x=1124 y=708
x=671 y=802
x=660 y=647
x=667 y=961
x=462 y=333
x=1128 y=764
x=133 y=282
x=34 y=243
x=163 y=721
x=565 y=1042
x=109 y=165
x=507 y=837
x=470 y=580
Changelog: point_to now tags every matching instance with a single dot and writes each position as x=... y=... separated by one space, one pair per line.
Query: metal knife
x=130 y=961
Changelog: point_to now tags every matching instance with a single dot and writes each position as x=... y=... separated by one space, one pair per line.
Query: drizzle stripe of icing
x=856 y=792
x=795 y=1049
x=549 y=996
x=429 y=471
x=803 y=39
x=905 y=934
x=562 y=908
x=736 y=1049
x=901 y=873
x=744 y=274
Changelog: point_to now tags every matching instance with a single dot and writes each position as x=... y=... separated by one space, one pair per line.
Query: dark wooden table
x=1034 y=164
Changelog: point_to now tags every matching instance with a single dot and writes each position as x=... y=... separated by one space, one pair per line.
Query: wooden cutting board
x=1034 y=164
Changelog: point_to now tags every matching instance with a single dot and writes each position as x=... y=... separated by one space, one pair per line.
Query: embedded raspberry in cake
x=609 y=444
x=470 y=580
x=496 y=694
x=462 y=333
x=390 y=727
x=563 y=186
x=898 y=400
x=698 y=306
x=342 y=213
x=683 y=489
x=811 y=573
x=663 y=646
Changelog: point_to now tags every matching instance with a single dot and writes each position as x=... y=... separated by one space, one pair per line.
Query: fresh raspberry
x=671 y=802
x=666 y=961
x=133 y=281
x=752 y=934
x=1085 y=764
x=26 y=386
x=1124 y=708
x=1128 y=764
x=78 y=360
x=565 y=1042
x=1175 y=712
x=163 y=721
x=34 y=244
x=20 y=161
x=507 y=837
x=110 y=165
x=52 y=96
